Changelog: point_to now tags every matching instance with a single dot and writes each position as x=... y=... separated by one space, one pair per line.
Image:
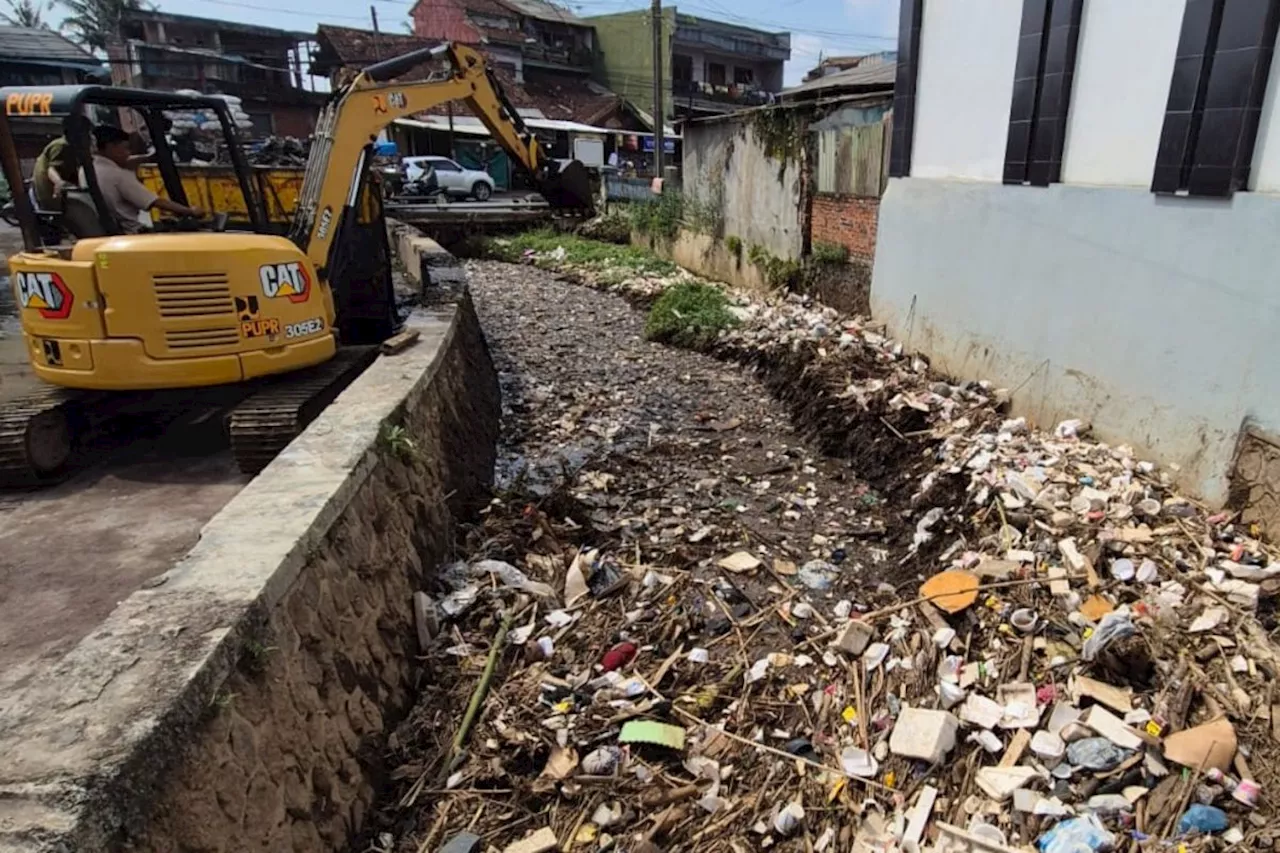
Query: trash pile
x=280 y=151
x=1025 y=641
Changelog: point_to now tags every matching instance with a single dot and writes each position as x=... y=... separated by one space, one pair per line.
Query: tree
x=93 y=23
x=27 y=13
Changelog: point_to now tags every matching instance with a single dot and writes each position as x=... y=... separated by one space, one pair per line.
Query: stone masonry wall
x=848 y=221
x=288 y=756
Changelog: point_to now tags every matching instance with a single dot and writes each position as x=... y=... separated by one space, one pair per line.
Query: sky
x=817 y=27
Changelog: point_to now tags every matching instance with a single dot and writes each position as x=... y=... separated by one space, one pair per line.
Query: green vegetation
x=661 y=218
x=690 y=315
x=256 y=656
x=704 y=217
x=778 y=273
x=396 y=441
x=781 y=132
x=616 y=261
x=734 y=244
x=612 y=227
x=829 y=253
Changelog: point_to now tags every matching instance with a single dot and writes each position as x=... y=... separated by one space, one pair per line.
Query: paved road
x=68 y=554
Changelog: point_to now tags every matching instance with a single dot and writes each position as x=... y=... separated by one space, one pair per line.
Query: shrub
x=612 y=227
x=734 y=244
x=830 y=253
x=577 y=250
x=778 y=273
x=660 y=218
x=690 y=315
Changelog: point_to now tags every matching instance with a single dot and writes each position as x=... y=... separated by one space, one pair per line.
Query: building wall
x=726 y=166
x=847 y=221
x=1147 y=315
x=625 y=56
x=1121 y=83
x=293 y=121
x=442 y=19
x=965 y=83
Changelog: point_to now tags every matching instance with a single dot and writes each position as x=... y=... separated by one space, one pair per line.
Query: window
x=1042 y=78
x=681 y=68
x=715 y=73
x=1215 y=97
x=910 y=13
x=743 y=76
x=445 y=166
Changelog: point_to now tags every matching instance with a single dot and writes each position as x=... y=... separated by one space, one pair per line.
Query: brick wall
x=849 y=221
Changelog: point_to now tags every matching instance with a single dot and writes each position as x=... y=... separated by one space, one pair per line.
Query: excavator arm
x=353 y=119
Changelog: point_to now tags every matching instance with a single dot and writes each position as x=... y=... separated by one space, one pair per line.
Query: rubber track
x=265 y=422
x=15 y=417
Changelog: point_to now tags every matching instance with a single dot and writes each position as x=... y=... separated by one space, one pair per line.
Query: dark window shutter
x=1215 y=96
x=1042 y=77
x=904 y=87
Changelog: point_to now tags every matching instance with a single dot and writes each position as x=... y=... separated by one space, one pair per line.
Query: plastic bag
x=1078 y=835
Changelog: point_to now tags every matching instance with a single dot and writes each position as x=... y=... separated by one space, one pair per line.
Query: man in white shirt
x=124 y=194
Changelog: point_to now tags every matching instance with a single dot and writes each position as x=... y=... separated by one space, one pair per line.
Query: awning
x=472 y=126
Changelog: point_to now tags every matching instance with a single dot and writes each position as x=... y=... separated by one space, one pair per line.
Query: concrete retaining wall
x=1151 y=317
x=708 y=257
x=242 y=702
x=727 y=168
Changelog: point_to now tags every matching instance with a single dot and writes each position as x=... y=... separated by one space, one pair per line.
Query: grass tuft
x=580 y=251
x=689 y=315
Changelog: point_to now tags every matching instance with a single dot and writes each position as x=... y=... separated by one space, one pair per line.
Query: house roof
x=353 y=48
x=214 y=23
x=542 y=10
x=877 y=77
x=25 y=44
x=562 y=97
x=567 y=97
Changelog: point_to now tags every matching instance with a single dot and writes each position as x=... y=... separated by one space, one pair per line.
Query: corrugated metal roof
x=880 y=75
x=19 y=43
x=543 y=11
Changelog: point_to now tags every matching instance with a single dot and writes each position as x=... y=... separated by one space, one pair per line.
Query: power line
x=712 y=8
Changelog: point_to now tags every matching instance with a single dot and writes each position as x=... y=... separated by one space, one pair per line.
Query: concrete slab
x=70 y=554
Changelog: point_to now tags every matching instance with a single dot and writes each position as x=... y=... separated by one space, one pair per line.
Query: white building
x=1084 y=209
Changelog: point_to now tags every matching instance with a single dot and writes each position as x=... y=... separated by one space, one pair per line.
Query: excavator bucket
x=566 y=185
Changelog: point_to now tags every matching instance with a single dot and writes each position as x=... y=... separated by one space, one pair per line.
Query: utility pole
x=657 y=88
x=373 y=13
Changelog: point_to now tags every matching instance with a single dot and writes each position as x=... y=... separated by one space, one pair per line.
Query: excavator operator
x=123 y=193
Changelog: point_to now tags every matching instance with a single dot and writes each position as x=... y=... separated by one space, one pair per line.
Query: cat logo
x=396 y=100
x=252 y=326
x=289 y=280
x=44 y=292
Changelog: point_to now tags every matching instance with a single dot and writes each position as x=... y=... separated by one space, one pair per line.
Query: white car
x=453 y=179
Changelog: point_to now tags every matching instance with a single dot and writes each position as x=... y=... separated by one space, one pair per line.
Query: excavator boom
x=356 y=115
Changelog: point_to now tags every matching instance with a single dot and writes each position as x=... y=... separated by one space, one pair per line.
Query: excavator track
x=38 y=436
x=266 y=421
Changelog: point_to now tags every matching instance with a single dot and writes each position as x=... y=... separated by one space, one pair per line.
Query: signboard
x=668 y=144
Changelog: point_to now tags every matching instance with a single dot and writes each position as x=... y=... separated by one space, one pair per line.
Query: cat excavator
x=270 y=328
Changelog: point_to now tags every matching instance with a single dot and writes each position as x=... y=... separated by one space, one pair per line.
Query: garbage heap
x=1084 y=661
x=280 y=151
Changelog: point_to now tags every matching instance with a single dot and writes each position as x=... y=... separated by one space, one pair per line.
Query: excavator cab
x=83 y=212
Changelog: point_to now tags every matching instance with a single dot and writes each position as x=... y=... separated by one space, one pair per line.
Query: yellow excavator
x=285 y=322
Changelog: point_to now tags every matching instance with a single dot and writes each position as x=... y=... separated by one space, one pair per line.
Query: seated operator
x=55 y=170
x=124 y=194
